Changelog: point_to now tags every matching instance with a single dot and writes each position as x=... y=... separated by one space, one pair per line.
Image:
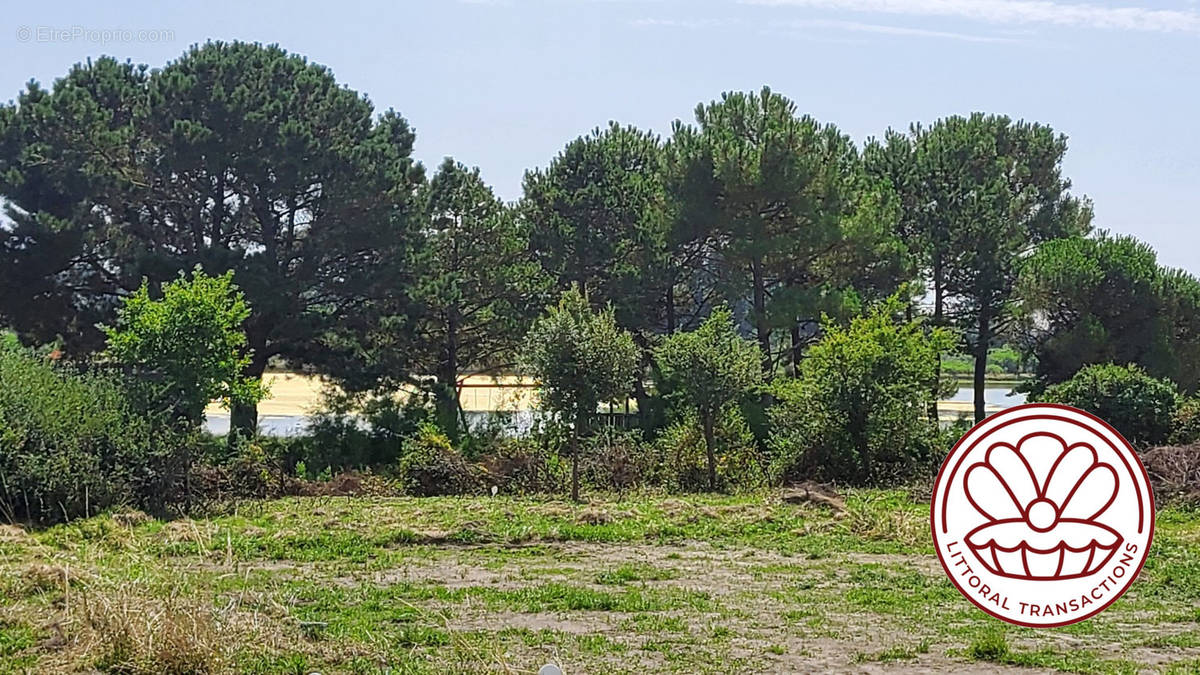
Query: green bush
x=1139 y=406
x=1185 y=423
x=678 y=459
x=430 y=466
x=1005 y=360
x=71 y=444
x=858 y=411
x=958 y=365
x=356 y=432
x=1001 y=361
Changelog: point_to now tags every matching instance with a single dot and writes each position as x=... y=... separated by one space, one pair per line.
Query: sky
x=504 y=84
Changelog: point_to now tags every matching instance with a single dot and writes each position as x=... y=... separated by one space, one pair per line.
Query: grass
x=695 y=584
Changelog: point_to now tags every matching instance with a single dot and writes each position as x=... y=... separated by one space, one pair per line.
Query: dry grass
x=131 y=518
x=644 y=584
x=135 y=629
x=877 y=518
x=124 y=631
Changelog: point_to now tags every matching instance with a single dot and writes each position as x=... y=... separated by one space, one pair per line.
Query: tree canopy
x=187 y=342
x=235 y=157
x=479 y=289
x=1105 y=299
x=980 y=193
x=786 y=210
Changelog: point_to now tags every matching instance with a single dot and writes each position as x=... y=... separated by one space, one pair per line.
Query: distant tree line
x=357 y=264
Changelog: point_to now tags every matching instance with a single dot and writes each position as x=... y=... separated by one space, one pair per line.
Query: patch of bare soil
x=730 y=576
x=447 y=572
x=757 y=589
x=577 y=623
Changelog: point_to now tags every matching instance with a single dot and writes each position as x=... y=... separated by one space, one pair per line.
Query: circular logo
x=1042 y=515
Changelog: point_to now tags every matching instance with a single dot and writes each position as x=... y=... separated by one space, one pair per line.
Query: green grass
x=648 y=583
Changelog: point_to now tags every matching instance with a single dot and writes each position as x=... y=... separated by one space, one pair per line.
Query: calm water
x=1004 y=397
x=294 y=425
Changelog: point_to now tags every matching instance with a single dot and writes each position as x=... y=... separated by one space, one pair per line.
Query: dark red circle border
x=933 y=503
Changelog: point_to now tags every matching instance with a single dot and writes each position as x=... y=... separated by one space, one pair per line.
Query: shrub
x=857 y=412
x=356 y=432
x=71 y=444
x=706 y=370
x=1185 y=423
x=1139 y=406
x=430 y=466
x=678 y=459
x=522 y=466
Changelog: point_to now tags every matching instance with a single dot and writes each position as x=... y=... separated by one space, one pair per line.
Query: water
x=520 y=422
x=1003 y=397
x=516 y=423
x=270 y=425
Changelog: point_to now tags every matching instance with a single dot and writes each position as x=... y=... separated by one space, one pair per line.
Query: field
x=698 y=584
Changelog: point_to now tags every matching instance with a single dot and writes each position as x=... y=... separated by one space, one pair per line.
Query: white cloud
x=856 y=27
x=1019 y=12
x=820 y=28
x=683 y=23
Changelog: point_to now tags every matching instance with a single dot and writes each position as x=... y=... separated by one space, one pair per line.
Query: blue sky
x=503 y=84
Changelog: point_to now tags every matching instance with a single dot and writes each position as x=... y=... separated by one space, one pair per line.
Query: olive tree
x=580 y=359
x=707 y=369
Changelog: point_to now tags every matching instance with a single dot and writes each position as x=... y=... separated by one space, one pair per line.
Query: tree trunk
x=939 y=299
x=938 y=303
x=643 y=402
x=446 y=403
x=670 y=309
x=447 y=385
x=933 y=397
x=762 y=328
x=575 y=431
x=710 y=450
x=981 y=355
x=797 y=349
x=243 y=418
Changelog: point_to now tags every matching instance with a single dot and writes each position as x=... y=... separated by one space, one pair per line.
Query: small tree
x=707 y=369
x=580 y=359
x=188 y=344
